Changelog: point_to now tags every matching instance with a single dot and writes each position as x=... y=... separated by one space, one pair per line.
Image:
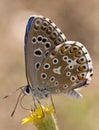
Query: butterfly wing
x=66 y=68
x=40 y=38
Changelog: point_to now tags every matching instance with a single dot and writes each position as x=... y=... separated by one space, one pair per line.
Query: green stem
x=47 y=123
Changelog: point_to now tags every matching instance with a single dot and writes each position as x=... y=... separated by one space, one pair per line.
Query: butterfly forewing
x=41 y=37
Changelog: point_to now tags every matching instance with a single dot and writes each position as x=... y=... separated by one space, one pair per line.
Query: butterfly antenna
x=16 y=103
x=6 y=96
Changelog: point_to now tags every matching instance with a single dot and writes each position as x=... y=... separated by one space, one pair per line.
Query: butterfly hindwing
x=67 y=67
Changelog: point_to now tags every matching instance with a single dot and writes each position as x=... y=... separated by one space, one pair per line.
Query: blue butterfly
x=53 y=64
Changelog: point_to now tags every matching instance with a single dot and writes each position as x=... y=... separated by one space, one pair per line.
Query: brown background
x=79 y=20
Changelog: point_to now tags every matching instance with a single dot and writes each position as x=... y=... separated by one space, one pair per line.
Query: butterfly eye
x=27 y=90
x=37 y=23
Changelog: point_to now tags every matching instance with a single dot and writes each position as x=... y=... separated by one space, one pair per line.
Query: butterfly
x=53 y=64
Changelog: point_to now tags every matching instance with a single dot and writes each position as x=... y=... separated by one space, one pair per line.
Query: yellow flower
x=39 y=114
x=42 y=118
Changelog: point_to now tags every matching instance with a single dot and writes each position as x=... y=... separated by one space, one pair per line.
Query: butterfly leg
x=16 y=104
x=34 y=103
x=52 y=103
x=40 y=106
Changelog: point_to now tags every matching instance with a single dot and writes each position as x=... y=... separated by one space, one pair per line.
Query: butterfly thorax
x=36 y=91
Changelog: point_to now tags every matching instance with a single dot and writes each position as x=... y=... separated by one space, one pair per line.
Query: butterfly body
x=53 y=64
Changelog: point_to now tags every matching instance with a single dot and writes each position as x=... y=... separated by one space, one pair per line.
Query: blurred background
x=78 y=20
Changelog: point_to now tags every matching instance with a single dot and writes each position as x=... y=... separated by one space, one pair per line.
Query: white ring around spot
x=68 y=73
x=43 y=74
x=65 y=86
x=52 y=79
x=46 y=64
x=34 y=38
x=73 y=78
x=55 y=61
x=65 y=58
x=56 y=83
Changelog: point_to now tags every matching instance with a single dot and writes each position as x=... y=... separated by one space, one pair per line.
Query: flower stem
x=47 y=123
